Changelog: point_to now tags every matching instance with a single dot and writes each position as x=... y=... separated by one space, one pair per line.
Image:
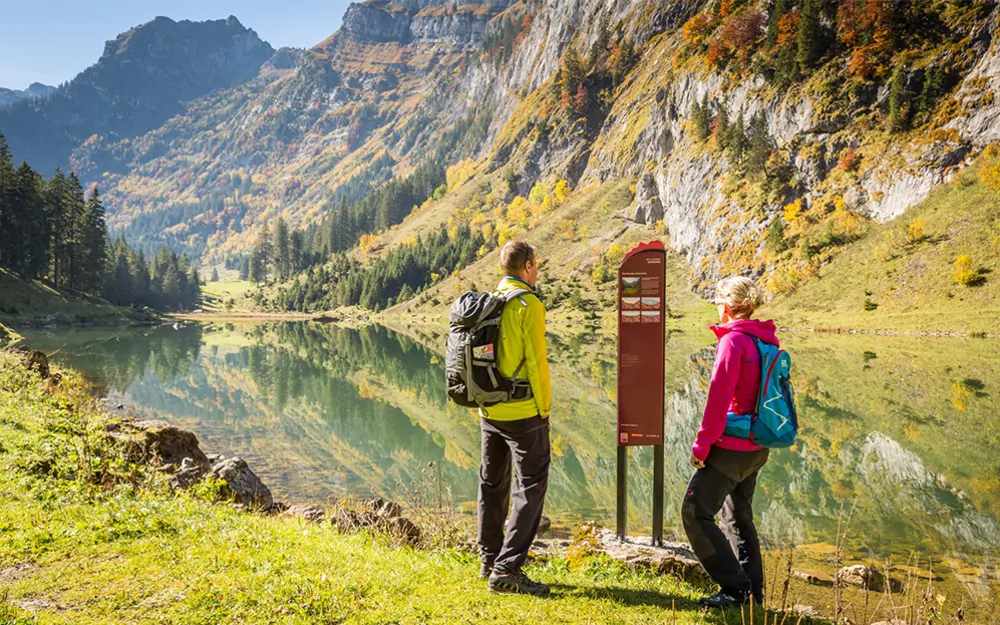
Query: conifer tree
x=809 y=35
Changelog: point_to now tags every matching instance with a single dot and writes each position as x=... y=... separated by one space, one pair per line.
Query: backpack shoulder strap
x=517 y=294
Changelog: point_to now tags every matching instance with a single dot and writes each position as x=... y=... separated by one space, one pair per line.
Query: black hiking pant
x=525 y=445
x=732 y=475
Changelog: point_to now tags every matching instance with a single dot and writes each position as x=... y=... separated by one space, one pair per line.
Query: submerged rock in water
x=867 y=578
x=241 y=485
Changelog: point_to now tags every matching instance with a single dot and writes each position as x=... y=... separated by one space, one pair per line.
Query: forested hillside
x=54 y=232
x=760 y=137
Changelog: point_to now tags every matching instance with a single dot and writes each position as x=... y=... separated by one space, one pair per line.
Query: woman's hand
x=698 y=464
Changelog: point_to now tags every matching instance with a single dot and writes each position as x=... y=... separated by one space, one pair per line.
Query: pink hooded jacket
x=735 y=383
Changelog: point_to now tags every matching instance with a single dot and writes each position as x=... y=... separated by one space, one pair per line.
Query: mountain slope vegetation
x=753 y=136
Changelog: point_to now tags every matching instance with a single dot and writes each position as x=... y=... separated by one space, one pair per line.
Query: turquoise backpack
x=775 y=423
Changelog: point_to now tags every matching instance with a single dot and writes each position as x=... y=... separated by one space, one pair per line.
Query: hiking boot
x=723 y=601
x=518 y=583
x=485 y=569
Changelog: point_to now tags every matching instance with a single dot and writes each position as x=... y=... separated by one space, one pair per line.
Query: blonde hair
x=742 y=295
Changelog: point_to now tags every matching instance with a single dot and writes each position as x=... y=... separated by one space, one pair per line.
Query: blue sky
x=51 y=41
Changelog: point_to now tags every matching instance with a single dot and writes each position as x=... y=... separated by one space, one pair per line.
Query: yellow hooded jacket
x=522 y=336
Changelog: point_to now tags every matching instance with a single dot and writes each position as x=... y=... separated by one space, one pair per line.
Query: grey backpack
x=473 y=356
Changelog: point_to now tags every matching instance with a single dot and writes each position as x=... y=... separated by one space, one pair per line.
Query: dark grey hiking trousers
x=525 y=446
x=733 y=475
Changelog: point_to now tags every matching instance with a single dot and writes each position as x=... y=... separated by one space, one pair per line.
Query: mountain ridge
x=844 y=120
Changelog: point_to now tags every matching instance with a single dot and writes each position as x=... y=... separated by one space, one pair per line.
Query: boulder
x=38 y=362
x=189 y=474
x=638 y=552
x=241 y=485
x=545 y=525
x=867 y=578
x=167 y=443
x=314 y=514
x=377 y=515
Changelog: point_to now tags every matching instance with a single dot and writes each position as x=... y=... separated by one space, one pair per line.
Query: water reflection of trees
x=114 y=358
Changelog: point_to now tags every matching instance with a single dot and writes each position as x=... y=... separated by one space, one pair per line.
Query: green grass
x=216 y=295
x=23 y=301
x=911 y=283
x=107 y=542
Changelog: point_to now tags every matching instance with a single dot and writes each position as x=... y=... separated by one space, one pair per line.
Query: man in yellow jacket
x=518 y=431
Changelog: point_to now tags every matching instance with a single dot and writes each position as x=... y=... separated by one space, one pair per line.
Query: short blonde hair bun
x=741 y=294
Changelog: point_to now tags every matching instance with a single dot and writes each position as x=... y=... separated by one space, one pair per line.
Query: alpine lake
x=897 y=456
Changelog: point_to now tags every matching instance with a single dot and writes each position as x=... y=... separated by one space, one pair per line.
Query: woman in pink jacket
x=727 y=466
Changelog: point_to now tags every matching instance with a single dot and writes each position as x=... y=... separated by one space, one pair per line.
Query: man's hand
x=544 y=416
x=698 y=464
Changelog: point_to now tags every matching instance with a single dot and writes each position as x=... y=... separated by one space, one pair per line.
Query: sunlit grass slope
x=86 y=538
x=903 y=275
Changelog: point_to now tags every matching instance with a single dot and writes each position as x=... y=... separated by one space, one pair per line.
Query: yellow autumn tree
x=518 y=211
x=964 y=272
x=915 y=232
x=562 y=191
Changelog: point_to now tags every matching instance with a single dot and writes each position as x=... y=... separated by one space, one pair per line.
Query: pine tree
x=600 y=46
x=738 y=144
x=74 y=225
x=34 y=234
x=898 y=105
x=702 y=117
x=760 y=145
x=282 y=250
x=94 y=244
x=8 y=226
x=215 y=274
x=809 y=36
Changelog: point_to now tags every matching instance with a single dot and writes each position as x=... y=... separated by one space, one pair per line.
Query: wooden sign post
x=641 y=347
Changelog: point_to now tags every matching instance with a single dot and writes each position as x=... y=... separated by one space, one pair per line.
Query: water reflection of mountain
x=903 y=432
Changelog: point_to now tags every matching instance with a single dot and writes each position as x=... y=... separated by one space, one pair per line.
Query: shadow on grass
x=626 y=596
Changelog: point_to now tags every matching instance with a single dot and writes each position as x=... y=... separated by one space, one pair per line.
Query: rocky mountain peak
x=142 y=79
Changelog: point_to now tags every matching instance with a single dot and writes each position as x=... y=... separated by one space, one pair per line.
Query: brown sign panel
x=641 y=326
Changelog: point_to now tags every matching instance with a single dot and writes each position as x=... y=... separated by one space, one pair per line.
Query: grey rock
x=160 y=440
x=242 y=486
x=307 y=512
x=189 y=474
x=369 y=22
x=639 y=552
x=648 y=209
x=867 y=578
x=544 y=525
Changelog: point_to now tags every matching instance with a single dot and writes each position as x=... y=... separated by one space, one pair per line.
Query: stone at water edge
x=638 y=552
x=314 y=514
x=544 y=525
x=158 y=439
x=867 y=578
x=242 y=485
x=189 y=474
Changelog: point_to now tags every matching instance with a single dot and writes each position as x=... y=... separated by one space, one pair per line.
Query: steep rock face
x=464 y=27
x=139 y=82
x=369 y=22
